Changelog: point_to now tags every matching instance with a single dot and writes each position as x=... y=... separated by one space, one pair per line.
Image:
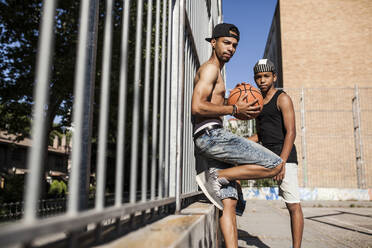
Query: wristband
x=235 y=110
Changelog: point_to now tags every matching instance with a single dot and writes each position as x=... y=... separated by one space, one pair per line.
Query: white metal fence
x=169 y=47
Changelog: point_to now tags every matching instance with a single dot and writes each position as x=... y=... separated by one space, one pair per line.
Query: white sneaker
x=210 y=184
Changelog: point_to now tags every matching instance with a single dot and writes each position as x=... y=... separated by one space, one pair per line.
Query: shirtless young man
x=219 y=148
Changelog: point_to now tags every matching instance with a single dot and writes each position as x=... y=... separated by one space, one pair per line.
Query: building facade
x=13 y=156
x=323 y=51
x=322 y=43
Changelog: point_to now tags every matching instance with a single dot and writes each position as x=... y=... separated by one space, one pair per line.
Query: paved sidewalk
x=327 y=224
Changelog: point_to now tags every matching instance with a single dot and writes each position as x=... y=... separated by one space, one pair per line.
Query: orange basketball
x=253 y=94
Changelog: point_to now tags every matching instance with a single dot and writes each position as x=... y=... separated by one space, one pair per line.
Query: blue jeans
x=231 y=149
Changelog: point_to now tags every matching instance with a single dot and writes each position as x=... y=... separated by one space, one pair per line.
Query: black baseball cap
x=223 y=30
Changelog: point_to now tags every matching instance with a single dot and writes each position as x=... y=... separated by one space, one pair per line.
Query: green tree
x=19 y=33
x=266 y=182
x=19 y=22
x=13 y=189
x=57 y=188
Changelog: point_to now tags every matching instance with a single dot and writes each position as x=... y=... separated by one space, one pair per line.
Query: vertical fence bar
x=185 y=168
x=83 y=109
x=104 y=109
x=220 y=16
x=180 y=117
x=361 y=160
x=303 y=137
x=88 y=105
x=136 y=105
x=155 y=102
x=188 y=124
x=188 y=111
x=36 y=155
x=358 y=139
x=162 y=131
x=186 y=171
x=145 y=130
x=173 y=101
x=122 y=107
x=167 y=95
x=189 y=131
x=190 y=143
x=191 y=86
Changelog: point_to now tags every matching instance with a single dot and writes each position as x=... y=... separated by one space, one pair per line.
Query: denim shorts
x=231 y=149
x=222 y=149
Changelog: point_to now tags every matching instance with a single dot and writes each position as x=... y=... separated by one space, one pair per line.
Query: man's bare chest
x=219 y=90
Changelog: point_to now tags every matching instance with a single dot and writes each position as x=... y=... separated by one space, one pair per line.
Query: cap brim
x=208 y=39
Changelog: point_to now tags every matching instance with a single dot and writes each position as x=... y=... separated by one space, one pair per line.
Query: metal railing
x=15 y=210
x=161 y=161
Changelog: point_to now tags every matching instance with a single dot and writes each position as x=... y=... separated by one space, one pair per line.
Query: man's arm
x=200 y=105
x=253 y=138
x=285 y=105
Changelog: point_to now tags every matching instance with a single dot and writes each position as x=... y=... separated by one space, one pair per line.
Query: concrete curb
x=195 y=226
x=337 y=204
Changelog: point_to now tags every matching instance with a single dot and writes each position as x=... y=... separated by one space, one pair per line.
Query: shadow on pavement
x=339 y=213
x=313 y=218
x=251 y=240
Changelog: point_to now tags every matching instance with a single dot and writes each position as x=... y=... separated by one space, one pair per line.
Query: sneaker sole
x=201 y=183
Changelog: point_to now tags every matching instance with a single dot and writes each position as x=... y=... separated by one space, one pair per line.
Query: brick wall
x=326 y=43
x=326 y=48
x=329 y=136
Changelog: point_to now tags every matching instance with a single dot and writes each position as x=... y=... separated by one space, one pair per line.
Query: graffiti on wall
x=310 y=194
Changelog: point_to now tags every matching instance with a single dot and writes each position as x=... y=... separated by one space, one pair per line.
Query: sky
x=253 y=19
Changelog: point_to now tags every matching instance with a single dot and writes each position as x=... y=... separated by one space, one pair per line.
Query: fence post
x=122 y=107
x=35 y=161
x=180 y=105
x=358 y=140
x=303 y=137
x=174 y=95
x=104 y=109
x=83 y=107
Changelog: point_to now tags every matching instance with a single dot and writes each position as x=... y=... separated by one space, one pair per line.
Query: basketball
x=253 y=94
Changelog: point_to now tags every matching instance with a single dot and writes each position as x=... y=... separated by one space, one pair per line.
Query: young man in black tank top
x=277 y=131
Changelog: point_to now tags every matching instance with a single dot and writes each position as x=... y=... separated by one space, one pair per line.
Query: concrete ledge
x=195 y=226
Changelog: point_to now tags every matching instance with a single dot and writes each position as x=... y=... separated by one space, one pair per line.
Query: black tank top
x=271 y=128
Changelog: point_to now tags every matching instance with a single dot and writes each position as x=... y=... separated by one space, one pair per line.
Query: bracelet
x=235 y=110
